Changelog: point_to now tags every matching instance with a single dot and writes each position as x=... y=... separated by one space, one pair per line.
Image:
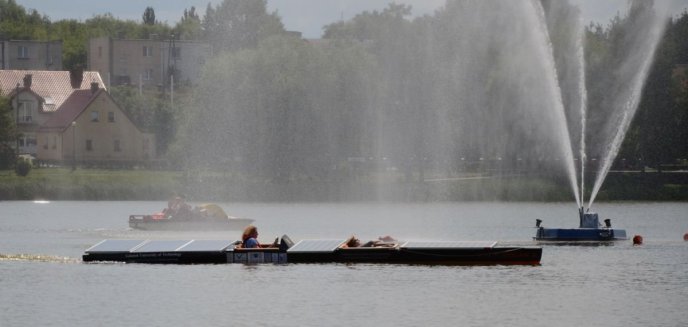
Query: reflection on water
x=616 y=285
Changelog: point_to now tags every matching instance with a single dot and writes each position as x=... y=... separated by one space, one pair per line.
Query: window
x=27 y=140
x=148 y=74
x=94 y=116
x=54 y=142
x=24 y=111
x=89 y=145
x=23 y=52
x=100 y=52
x=116 y=146
x=31 y=140
x=147 y=51
x=111 y=116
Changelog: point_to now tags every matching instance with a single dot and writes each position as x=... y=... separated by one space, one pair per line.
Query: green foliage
x=283 y=109
x=276 y=111
x=23 y=167
x=658 y=132
x=149 y=16
x=17 y=23
x=8 y=134
x=149 y=112
x=189 y=27
x=238 y=24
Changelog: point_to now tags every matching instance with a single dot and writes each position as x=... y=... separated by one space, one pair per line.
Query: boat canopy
x=213 y=210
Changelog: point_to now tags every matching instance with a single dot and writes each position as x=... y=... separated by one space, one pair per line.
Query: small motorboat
x=313 y=251
x=590 y=230
x=185 y=217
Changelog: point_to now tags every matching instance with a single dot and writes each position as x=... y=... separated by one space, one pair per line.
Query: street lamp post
x=16 y=120
x=73 y=145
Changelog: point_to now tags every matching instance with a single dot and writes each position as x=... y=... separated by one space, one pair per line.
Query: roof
x=53 y=85
x=72 y=107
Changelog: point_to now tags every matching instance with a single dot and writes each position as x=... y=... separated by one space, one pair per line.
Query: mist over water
x=481 y=90
x=488 y=90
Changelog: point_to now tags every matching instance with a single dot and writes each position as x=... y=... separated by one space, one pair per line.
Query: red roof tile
x=47 y=84
x=70 y=110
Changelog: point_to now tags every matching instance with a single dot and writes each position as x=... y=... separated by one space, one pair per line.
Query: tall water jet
x=647 y=30
x=562 y=130
x=583 y=92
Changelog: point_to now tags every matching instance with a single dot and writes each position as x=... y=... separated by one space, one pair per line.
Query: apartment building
x=148 y=63
x=27 y=55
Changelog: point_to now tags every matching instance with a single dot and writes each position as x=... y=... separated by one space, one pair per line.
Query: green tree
x=238 y=24
x=16 y=23
x=149 y=16
x=189 y=27
x=8 y=134
x=283 y=111
x=149 y=112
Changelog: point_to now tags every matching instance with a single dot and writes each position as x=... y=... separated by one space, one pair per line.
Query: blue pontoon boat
x=589 y=229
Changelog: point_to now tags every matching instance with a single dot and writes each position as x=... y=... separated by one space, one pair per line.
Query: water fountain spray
x=563 y=137
x=639 y=63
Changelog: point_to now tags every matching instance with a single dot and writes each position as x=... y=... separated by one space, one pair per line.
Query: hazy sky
x=306 y=16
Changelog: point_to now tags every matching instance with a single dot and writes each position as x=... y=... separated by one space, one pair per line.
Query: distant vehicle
x=181 y=216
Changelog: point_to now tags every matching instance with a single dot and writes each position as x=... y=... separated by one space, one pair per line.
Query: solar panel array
x=161 y=246
x=142 y=246
x=207 y=245
x=448 y=244
x=115 y=246
x=311 y=246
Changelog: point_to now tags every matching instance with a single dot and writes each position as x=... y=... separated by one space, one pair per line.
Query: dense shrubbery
x=22 y=167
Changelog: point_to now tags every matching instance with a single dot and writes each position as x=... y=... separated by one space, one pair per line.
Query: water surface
x=44 y=282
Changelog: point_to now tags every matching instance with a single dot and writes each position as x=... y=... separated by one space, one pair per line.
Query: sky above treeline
x=305 y=16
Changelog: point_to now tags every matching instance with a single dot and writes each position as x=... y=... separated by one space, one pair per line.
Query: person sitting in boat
x=352 y=242
x=178 y=208
x=382 y=241
x=249 y=239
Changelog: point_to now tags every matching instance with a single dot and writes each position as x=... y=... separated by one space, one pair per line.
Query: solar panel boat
x=312 y=251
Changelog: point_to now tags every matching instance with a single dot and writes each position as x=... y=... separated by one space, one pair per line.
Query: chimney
x=76 y=76
x=94 y=88
x=27 y=80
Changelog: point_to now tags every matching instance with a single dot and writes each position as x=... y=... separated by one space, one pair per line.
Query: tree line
x=439 y=94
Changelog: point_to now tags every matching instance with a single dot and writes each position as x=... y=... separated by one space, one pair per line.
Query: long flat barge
x=312 y=251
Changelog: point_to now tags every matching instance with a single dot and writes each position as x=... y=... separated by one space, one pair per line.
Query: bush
x=23 y=167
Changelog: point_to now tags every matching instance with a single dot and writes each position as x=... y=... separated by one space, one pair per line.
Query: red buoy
x=685 y=237
x=637 y=240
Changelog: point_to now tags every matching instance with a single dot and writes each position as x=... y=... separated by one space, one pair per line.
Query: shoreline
x=95 y=184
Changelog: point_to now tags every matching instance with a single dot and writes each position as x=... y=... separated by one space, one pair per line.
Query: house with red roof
x=69 y=117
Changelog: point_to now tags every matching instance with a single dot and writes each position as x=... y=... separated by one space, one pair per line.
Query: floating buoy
x=685 y=237
x=637 y=240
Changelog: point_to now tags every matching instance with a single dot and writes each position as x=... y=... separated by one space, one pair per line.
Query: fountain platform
x=589 y=229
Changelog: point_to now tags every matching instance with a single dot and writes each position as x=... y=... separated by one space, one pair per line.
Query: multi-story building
x=26 y=55
x=147 y=62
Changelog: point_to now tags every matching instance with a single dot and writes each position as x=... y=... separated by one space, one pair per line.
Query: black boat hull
x=474 y=255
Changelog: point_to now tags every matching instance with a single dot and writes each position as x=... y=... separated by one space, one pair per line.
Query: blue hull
x=580 y=234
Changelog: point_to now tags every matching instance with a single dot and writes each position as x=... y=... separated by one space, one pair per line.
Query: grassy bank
x=88 y=184
x=100 y=184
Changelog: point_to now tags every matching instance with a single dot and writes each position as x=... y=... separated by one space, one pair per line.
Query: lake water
x=44 y=283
